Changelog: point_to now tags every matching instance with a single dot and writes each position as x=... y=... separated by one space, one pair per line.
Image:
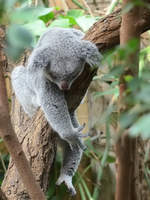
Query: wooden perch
x=105 y=34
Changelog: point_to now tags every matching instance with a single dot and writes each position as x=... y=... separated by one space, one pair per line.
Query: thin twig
x=3 y=164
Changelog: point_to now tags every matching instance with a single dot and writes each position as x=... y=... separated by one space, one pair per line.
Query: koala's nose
x=64 y=85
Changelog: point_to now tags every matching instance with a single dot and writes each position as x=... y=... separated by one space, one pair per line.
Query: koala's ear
x=90 y=53
x=40 y=57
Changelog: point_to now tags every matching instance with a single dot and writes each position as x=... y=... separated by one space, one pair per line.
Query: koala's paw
x=67 y=180
x=76 y=138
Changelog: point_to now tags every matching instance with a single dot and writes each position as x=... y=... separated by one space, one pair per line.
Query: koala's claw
x=68 y=182
x=76 y=138
x=81 y=144
x=84 y=135
x=80 y=128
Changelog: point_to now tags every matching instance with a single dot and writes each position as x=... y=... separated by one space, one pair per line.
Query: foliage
x=27 y=23
x=136 y=119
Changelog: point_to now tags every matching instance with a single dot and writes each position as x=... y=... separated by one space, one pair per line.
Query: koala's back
x=61 y=41
x=24 y=94
x=56 y=34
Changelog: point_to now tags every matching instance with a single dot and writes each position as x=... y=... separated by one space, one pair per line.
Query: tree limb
x=105 y=34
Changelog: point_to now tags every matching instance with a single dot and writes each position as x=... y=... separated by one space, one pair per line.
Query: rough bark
x=106 y=32
x=2 y=195
x=38 y=143
x=35 y=134
x=126 y=147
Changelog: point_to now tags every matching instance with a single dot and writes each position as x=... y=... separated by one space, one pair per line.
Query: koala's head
x=67 y=62
x=64 y=71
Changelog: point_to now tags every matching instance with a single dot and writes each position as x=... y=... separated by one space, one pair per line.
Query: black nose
x=64 y=85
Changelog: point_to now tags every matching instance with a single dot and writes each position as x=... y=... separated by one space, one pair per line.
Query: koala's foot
x=68 y=182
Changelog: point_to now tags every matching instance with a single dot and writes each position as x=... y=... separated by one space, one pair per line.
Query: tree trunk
x=126 y=147
x=2 y=195
x=38 y=142
x=35 y=135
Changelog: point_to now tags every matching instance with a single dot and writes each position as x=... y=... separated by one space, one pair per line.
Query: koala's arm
x=24 y=94
x=53 y=103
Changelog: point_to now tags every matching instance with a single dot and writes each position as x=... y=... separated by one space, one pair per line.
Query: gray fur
x=57 y=60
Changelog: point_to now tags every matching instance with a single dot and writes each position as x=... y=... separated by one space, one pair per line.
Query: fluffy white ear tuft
x=91 y=54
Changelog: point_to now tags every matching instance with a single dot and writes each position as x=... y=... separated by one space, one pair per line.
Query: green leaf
x=83 y=197
x=141 y=127
x=18 y=36
x=75 y=13
x=145 y=51
x=47 y=18
x=60 y=23
x=87 y=191
x=42 y=11
x=9 y=4
x=128 y=78
x=85 y=22
x=29 y=14
x=132 y=45
x=111 y=159
x=36 y=27
x=72 y=21
x=126 y=119
x=1 y=140
x=144 y=94
x=107 y=92
x=13 y=52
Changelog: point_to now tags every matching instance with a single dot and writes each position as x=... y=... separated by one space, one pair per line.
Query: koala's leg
x=71 y=160
x=55 y=108
x=70 y=164
x=24 y=94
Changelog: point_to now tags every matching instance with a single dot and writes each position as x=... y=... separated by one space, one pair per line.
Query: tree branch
x=105 y=34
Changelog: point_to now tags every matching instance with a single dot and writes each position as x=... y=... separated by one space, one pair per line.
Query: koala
x=56 y=61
